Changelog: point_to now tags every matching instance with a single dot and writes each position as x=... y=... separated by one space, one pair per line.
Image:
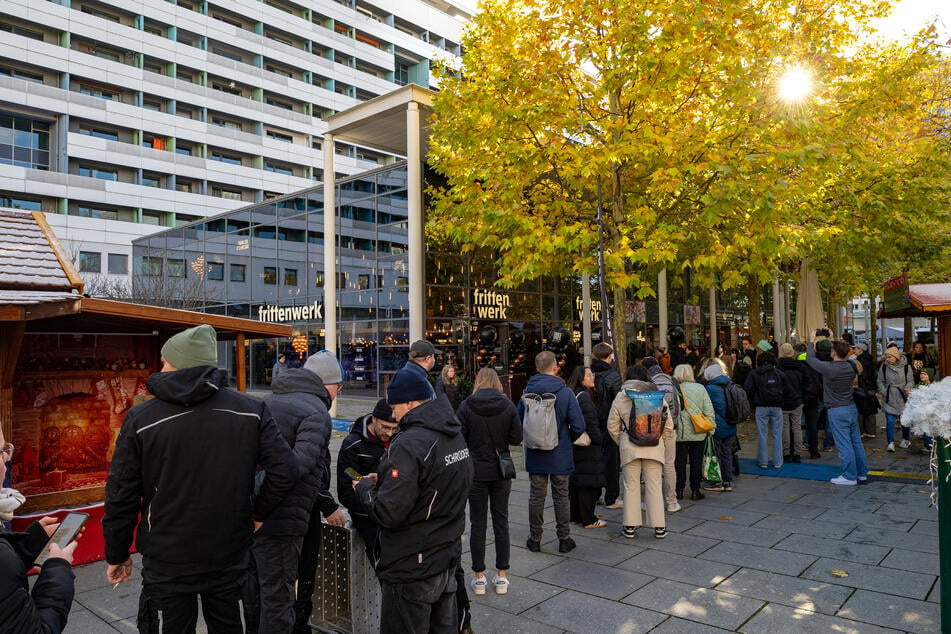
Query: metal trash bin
x=346 y=593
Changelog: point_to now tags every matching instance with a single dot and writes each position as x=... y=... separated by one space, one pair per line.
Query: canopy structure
x=930 y=300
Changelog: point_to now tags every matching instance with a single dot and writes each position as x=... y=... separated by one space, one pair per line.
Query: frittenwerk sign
x=291 y=313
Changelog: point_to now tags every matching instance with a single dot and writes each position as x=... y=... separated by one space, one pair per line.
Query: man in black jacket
x=324 y=366
x=299 y=403
x=419 y=502
x=185 y=463
x=362 y=450
x=607 y=383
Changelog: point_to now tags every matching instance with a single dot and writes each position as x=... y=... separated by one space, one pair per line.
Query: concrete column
x=713 y=318
x=777 y=311
x=417 y=256
x=586 y=317
x=330 y=247
x=662 y=307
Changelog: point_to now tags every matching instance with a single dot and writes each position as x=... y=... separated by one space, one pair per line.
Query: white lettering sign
x=291 y=313
x=595 y=308
x=490 y=304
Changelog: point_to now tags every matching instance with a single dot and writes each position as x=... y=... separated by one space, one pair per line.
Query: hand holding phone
x=350 y=471
x=65 y=533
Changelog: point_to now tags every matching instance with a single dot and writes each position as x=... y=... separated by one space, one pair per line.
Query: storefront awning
x=380 y=123
x=927 y=300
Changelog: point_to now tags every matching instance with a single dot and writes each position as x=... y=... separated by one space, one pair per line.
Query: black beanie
x=408 y=385
x=649 y=362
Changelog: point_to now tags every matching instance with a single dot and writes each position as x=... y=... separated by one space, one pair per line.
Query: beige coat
x=620 y=413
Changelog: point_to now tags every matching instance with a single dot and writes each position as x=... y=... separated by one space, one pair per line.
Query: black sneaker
x=660 y=533
x=630 y=532
x=566 y=545
x=533 y=546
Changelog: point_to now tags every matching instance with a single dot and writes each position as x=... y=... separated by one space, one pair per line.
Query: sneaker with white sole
x=629 y=531
x=843 y=481
x=617 y=504
x=501 y=585
x=891 y=447
x=673 y=507
x=479 y=585
x=904 y=444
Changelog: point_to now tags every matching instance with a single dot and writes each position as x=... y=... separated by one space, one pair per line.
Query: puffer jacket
x=618 y=421
x=419 y=499
x=589 y=469
x=45 y=607
x=892 y=381
x=185 y=462
x=794 y=380
x=490 y=423
x=559 y=460
x=716 y=390
x=696 y=401
x=362 y=452
x=300 y=405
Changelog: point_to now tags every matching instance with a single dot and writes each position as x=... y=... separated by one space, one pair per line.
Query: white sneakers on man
x=891 y=447
x=843 y=481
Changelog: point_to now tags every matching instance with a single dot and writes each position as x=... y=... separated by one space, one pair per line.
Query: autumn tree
x=672 y=108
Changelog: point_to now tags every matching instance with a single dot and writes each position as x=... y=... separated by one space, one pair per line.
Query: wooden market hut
x=929 y=300
x=71 y=365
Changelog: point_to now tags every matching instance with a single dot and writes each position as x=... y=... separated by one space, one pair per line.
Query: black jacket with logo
x=362 y=452
x=45 y=608
x=299 y=404
x=420 y=497
x=185 y=462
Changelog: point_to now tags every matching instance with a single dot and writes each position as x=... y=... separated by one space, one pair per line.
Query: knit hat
x=649 y=362
x=893 y=351
x=408 y=385
x=383 y=412
x=325 y=365
x=930 y=372
x=763 y=345
x=824 y=344
x=786 y=351
x=713 y=371
x=192 y=347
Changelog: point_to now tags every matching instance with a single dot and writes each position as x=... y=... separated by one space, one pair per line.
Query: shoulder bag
x=506 y=464
x=701 y=422
x=584 y=440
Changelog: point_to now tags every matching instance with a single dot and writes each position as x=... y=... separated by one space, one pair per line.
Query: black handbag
x=865 y=401
x=506 y=466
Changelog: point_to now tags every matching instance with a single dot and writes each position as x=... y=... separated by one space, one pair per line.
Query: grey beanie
x=713 y=371
x=193 y=347
x=325 y=365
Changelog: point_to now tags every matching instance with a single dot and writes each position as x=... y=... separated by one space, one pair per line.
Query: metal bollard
x=347 y=593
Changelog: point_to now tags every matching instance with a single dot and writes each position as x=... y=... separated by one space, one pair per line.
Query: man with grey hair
x=555 y=465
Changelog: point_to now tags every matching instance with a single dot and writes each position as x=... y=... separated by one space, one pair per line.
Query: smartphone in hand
x=65 y=533
x=350 y=471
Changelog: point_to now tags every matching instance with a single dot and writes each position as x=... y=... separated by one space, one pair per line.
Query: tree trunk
x=754 y=293
x=873 y=327
x=620 y=329
x=909 y=334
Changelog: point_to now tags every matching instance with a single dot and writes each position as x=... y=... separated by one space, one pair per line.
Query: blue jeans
x=890 y=428
x=769 y=423
x=844 y=422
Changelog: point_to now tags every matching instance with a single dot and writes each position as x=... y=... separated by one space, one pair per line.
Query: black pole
x=607 y=334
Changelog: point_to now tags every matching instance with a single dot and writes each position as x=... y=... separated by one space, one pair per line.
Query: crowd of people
x=225 y=495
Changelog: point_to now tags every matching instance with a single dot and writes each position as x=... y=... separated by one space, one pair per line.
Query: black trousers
x=276 y=560
x=611 y=456
x=420 y=607
x=484 y=496
x=691 y=450
x=168 y=608
x=307 y=574
x=581 y=501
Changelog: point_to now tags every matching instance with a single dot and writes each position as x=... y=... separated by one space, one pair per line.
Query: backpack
x=671 y=388
x=769 y=386
x=737 y=404
x=646 y=426
x=539 y=422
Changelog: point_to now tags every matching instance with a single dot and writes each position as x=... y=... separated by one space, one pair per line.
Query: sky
x=910 y=15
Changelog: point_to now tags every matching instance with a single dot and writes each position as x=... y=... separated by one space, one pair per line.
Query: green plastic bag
x=711 y=465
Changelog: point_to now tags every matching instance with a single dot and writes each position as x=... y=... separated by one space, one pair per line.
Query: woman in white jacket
x=638 y=462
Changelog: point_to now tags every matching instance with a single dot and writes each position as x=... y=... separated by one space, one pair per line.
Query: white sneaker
x=891 y=447
x=843 y=481
x=478 y=585
x=501 y=585
x=618 y=504
x=673 y=507
x=904 y=444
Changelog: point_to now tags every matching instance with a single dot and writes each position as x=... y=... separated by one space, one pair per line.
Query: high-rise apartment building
x=121 y=118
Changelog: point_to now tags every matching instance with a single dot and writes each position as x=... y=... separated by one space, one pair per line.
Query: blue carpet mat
x=341 y=424
x=802 y=470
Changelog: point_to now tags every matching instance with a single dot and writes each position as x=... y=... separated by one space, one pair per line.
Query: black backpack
x=737 y=404
x=769 y=385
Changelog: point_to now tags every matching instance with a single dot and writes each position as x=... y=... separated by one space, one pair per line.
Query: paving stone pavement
x=775 y=555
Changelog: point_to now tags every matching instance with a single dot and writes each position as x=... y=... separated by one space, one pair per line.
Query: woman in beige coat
x=638 y=462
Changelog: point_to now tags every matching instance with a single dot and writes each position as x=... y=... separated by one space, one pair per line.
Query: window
x=216 y=271
x=152 y=141
x=231 y=159
x=278 y=136
x=151 y=180
x=182 y=148
x=184 y=219
x=19 y=30
x=153 y=66
x=98 y=172
x=185 y=75
x=270 y=275
x=184 y=112
x=97 y=212
x=237 y=273
x=176 y=268
x=231 y=89
x=278 y=168
x=151 y=103
x=184 y=186
x=278 y=71
x=154 y=218
x=290 y=277
x=151 y=265
x=101 y=14
x=24 y=142
x=226 y=53
x=99 y=91
x=118 y=263
x=278 y=103
x=16 y=73
x=101 y=133
x=222 y=122
x=228 y=194
x=90 y=262
x=20 y=203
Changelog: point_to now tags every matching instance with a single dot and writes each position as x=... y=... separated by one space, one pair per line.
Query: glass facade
x=266 y=262
x=24 y=141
